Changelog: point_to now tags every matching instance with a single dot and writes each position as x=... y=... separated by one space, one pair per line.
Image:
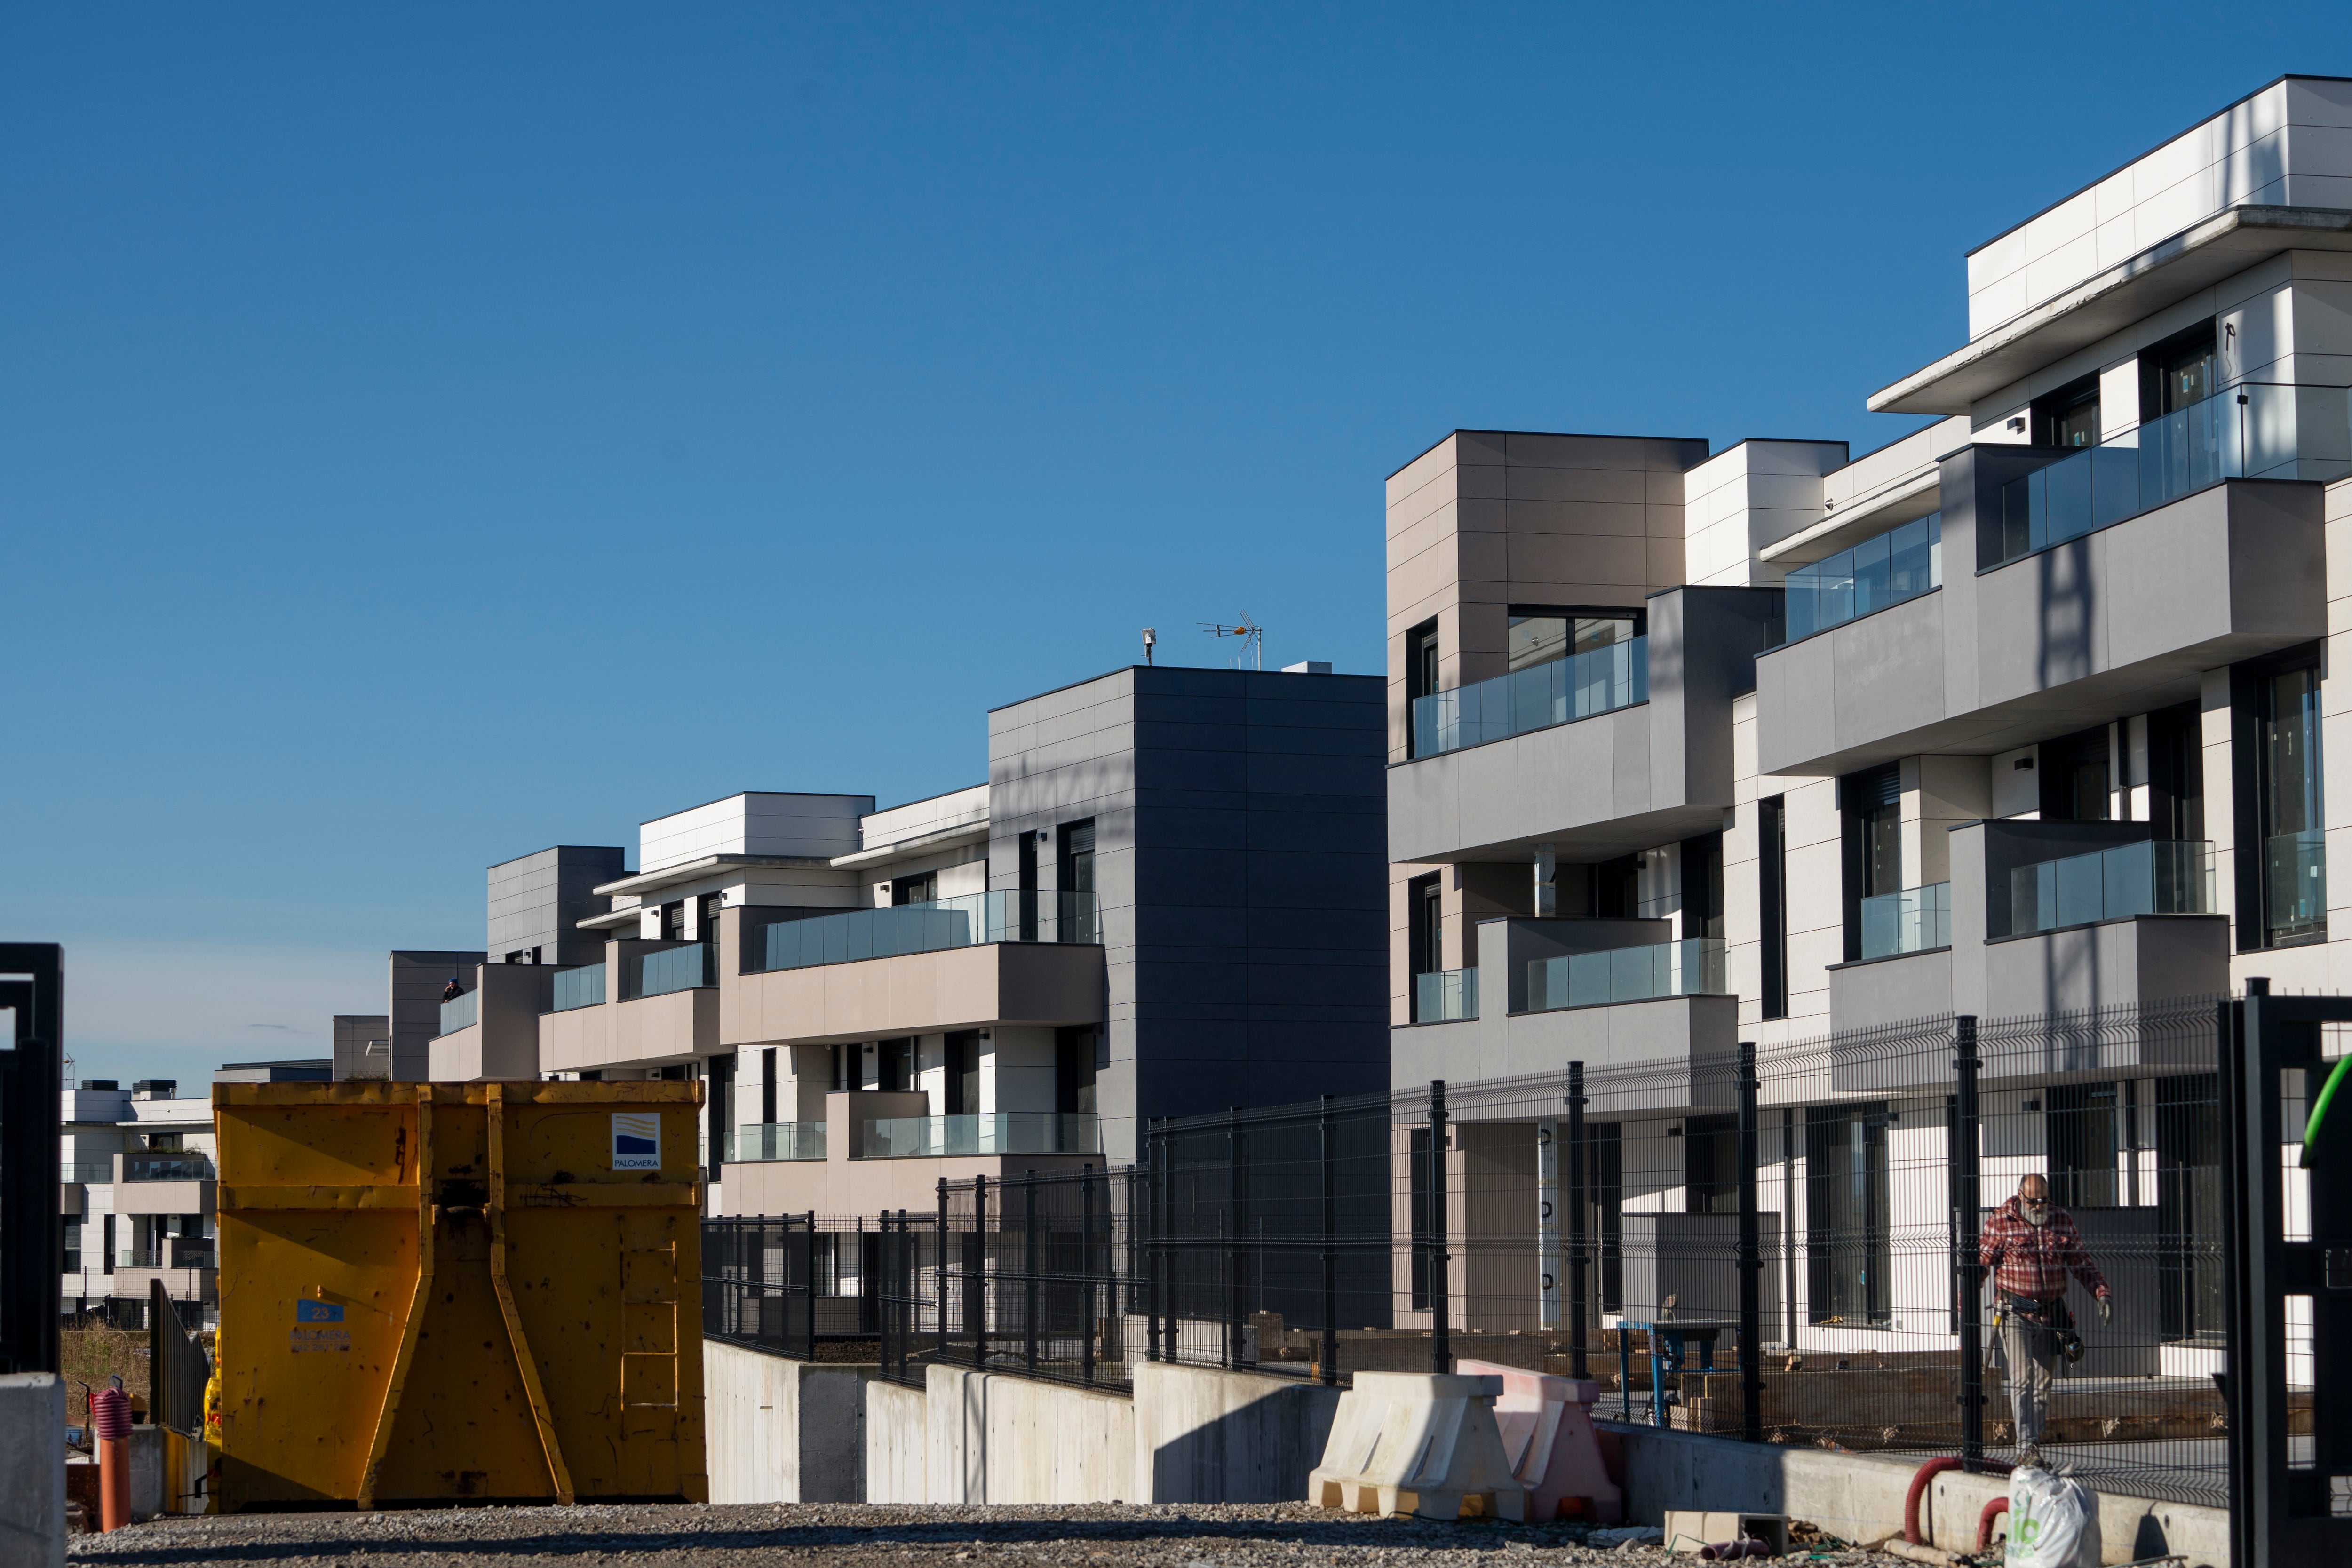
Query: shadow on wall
x=1231 y=1436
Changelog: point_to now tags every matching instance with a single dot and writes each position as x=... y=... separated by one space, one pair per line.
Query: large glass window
x=2295 y=859
x=2082 y=1127
x=2188 y=1204
x=1849 y=1250
x=2069 y=417
x=1539 y=637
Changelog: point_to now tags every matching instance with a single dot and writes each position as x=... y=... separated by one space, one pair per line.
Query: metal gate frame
x=2280 y=1514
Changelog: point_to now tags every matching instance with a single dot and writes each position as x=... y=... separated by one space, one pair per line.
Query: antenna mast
x=1253 y=639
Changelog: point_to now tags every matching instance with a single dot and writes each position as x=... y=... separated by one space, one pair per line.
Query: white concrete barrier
x=997 y=1437
x=1418 y=1443
x=32 y=1470
x=780 y=1430
x=1204 y=1433
x=1547 y=1426
x=898 y=1435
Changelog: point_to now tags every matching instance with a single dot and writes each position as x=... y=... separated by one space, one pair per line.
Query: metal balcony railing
x=171 y=1167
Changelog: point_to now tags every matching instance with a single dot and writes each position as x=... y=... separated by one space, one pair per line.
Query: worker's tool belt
x=2054 y=1316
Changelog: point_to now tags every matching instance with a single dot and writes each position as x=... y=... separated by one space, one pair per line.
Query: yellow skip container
x=447 y=1293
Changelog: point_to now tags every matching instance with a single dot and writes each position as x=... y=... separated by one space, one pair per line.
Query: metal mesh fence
x=1817 y=1243
x=789 y=1282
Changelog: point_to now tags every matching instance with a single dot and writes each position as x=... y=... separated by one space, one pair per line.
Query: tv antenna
x=1253 y=639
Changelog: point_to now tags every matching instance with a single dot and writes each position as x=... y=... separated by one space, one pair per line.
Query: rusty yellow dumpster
x=437 y=1292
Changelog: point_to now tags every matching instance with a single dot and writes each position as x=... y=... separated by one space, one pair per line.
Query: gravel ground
x=877 y=1535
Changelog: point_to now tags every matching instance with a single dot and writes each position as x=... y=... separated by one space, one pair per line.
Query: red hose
x=1992 y=1510
x=1919 y=1479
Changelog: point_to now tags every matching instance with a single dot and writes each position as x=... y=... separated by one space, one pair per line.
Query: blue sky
x=431 y=433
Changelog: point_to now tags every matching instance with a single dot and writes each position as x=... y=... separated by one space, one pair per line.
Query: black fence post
x=1087 y=1273
x=979 y=1283
x=1577 y=1323
x=1153 y=1178
x=1233 y=1236
x=1440 y=1311
x=1968 y=1202
x=1029 y=1271
x=1330 y=1358
x=1751 y=1314
x=808 y=1280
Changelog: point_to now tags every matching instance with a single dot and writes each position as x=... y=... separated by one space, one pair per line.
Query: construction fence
x=1812 y=1243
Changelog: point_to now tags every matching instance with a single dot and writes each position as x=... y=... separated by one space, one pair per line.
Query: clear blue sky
x=431 y=433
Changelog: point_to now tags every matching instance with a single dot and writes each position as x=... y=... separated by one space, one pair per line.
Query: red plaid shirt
x=2033 y=1260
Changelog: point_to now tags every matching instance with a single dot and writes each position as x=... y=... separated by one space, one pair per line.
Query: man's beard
x=2036 y=1217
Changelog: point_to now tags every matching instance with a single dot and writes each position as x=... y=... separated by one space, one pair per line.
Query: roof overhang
x=612 y=920
x=1876 y=514
x=2197 y=258
x=705 y=868
x=944 y=838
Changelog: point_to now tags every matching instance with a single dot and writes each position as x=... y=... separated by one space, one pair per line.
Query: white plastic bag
x=2053 y=1522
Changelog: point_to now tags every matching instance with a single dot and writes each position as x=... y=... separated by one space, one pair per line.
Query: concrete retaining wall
x=1202 y=1435
x=780 y=1430
x=1860 y=1495
x=896 y=1434
x=995 y=1438
x=32 y=1470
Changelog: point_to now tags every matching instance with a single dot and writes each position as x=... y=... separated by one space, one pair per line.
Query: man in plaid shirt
x=2032 y=1244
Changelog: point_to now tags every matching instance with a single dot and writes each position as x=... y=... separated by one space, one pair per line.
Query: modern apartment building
x=2025 y=711
x=136 y=1181
x=1165 y=899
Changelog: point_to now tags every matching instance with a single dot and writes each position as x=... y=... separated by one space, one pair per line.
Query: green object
x=2319 y=1110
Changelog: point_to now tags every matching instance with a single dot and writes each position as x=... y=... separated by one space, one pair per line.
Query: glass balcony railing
x=1444 y=996
x=1912 y=921
x=2143 y=878
x=762 y=1141
x=1002 y=1132
x=2252 y=430
x=1902 y=564
x=86 y=1171
x=686 y=968
x=1577 y=687
x=181 y=1167
x=965 y=921
x=580 y=987
x=1691 y=967
x=461 y=1012
x=2297 y=877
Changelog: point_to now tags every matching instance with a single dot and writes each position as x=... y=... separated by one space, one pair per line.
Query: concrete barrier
x=1860 y=1495
x=997 y=1437
x=1420 y=1444
x=32 y=1470
x=1206 y=1434
x=1547 y=1426
x=780 y=1430
x=897 y=1436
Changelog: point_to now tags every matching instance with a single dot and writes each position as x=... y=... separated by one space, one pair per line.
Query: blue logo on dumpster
x=318 y=1312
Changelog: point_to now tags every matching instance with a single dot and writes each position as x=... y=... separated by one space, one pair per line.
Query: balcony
x=1695 y=966
x=761 y=1142
x=1445 y=997
x=580 y=987
x=1875 y=574
x=1912 y=921
x=1560 y=691
x=154 y=1182
x=461 y=1011
x=1002 y=1132
x=2252 y=430
x=690 y=967
x=86 y=1171
x=973 y=920
x=2296 y=883
x=2143 y=878
x=166 y=1167
x=962 y=966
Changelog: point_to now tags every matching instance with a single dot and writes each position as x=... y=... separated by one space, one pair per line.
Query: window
x=921 y=888
x=2068 y=416
x=673 y=922
x=1425 y=915
x=1850 y=1253
x=1772 y=867
x=1076 y=1058
x=1872 y=805
x=2082 y=1131
x=2176 y=773
x=964 y=1073
x=2188 y=1204
x=1026 y=869
x=72 y=1264
x=2295 y=848
x=1078 y=880
x=706 y=916
x=1420 y=671
x=1417 y=1179
x=768 y=1085
x=1711 y=1164
x=1617 y=888
x=1608 y=1141
x=2177 y=372
x=2075 y=777
x=1540 y=635
x=1701 y=885
x=894 y=1062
